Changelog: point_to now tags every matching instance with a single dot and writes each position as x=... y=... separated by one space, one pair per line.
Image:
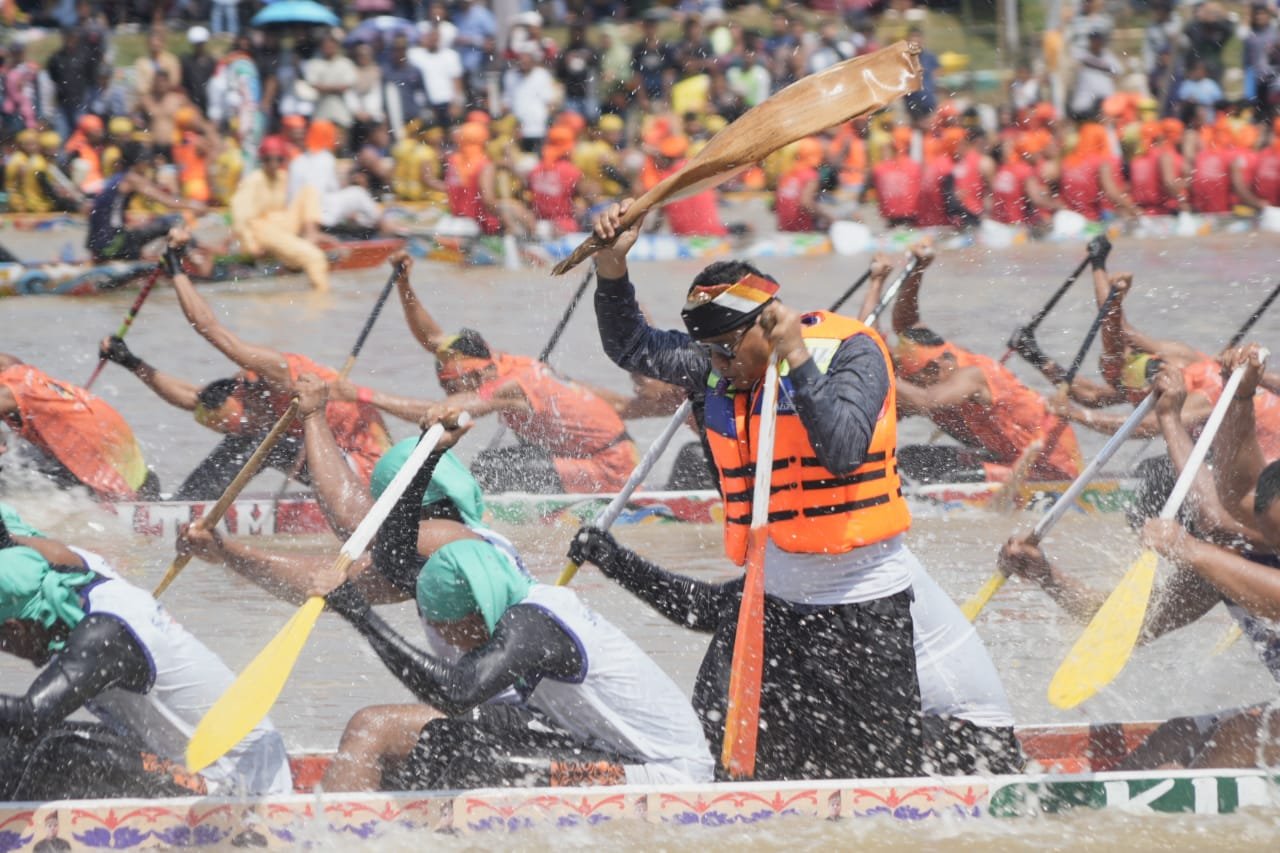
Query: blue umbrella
x=295 y=12
x=387 y=26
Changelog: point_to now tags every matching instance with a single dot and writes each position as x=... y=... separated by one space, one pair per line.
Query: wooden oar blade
x=1108 y=641
x=250 y=697
x=742 y=720
x=810 y=105
x=974 y=605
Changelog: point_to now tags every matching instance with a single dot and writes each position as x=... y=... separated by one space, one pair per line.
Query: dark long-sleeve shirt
x=838 y=408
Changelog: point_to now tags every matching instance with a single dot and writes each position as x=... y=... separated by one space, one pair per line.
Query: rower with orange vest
x=796 y=200
x=972 y=398
x=245 y=406
x=1018 y=194
x=838 y=632
x=1155 y=175
x=897 y=182
x=81 y=440
x=950 y=191
x=1266 y=177
x=1090 y=181
x=556 y=184
x=84 y=149
x=469 y=179
x=695 y=215
x=192 y=147
x=571 y=437
x=1211 y=173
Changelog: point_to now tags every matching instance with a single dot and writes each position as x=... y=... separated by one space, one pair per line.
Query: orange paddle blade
x=742 y=722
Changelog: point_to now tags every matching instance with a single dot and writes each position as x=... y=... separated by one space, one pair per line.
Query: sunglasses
x=726 y=351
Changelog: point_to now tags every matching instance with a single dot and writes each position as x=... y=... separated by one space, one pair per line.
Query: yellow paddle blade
x=974 y=605
x=1104 y=647
x=1228 y=639
x=570 y=569
x=247 y=701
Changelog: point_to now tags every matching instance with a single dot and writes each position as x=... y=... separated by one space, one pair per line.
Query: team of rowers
x=870 y=669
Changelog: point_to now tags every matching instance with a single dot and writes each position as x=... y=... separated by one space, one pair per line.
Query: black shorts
x=840 y=697
x=956 y=747
x=501 y=746
x=127 y=243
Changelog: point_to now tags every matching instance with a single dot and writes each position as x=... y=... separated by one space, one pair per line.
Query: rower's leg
x=1249 y=737
x=376 y=741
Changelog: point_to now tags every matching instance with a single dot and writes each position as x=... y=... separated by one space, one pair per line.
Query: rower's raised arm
x=906 y=308
x=175 y=391
x=344 y=499
x=270 y=364
x=426 y=331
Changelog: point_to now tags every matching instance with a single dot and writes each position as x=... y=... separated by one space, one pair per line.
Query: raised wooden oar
x=974 y=605
x=1108 y=640
x=1253 y=318
x=368 y=323
x=1053 y=300
x=812 y=104
x=853 y=288
x=247 y=472
x=128 y=321
x=251 y=696
x=742 y=721
x=610 y=513
x=551 y=343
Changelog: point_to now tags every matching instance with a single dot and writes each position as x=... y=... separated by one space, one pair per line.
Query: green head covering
x=14 y=522
x=466 y=577
x=32 y=589
x=449 y=481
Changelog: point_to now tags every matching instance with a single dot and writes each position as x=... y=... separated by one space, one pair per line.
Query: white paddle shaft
x=368 y=527
x=764 y=445
x=890 y=292
x=1201 y=450
x=651 y=456
x=1068 y=499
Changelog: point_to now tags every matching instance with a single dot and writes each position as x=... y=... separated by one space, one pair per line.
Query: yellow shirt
x=690 y=95
x=591 y=157
x=14 y=173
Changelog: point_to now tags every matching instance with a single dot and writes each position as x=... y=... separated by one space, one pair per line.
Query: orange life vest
x=193 y=170
x=80 y=430
x=1205 y=377
x=357 y=427
x=80 y=146
x=811 y=509
x=1015 y=417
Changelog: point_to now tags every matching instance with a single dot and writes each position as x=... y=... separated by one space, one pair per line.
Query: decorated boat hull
x=70 y=278
x=267 y=516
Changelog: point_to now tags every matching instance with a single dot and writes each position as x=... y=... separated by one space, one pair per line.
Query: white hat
x=529 y=19
x=198 y=34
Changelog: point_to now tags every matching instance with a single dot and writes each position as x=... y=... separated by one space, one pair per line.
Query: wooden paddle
x=247 y=472
x=128 y=321
x=551 y=343
x=1031 y=327
x=974 y=605
x=812 y=104
x=1253 y=318
x=742 y=722
x=610 y=513
x=251 y=696
x=1108 y=640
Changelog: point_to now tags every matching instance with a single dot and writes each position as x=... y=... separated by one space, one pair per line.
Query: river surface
x=1196 y=291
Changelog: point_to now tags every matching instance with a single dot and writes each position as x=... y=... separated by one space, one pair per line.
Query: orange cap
x=473 y=133
x=273 y=146
x=901 y=139
x=559 y=143
x=479 y=117
x=1043 y=113
x=673 y=147
x=89 y=123
x=952 y=138
x=657 y=131
x=1092 y=141
x=1173 y=129
x=293 y=122
x=1151 y=133
x=1031 y=143
x=809 y=152
x=185 y=117
x=322 y=136
x=571 y=120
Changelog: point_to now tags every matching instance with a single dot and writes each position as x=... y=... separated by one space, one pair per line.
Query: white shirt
x=338 y=71
x=317 y=169
x=440 y=71
x=529 y=98
x=863 y=574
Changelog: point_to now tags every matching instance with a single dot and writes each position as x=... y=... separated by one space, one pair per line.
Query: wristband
x=173 y=261
x=364 y=395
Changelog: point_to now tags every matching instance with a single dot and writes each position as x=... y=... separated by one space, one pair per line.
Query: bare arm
x=1240 y=186
x=1174 y=183
x=174 y=391
x=880 y=269
x=962 y=386
x=1114 y=191
x=426 y=331
x=906 y=309
x=1237 y=456
x=344 y=499
x=1253 y=586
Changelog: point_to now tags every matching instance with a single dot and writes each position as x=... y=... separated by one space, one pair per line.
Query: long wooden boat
x=344 y=821
x=86 y=278
x=267 y=516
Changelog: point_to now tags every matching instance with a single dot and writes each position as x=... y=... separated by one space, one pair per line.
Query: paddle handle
x=128 y=321
x=1201 y=449
x=891 y=291
x=369 y=321
x=651 y=456
x=1253 y=318
x=742 y=719
x=1073 y=492
x=247 y=473
x=848 y=294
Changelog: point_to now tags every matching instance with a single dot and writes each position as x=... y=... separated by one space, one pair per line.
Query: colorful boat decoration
x=61 y=278
x=268 y=516
x=305 y=820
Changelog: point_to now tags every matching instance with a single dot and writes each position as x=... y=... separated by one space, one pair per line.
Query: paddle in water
x=128 y=322
x=1108 y=640
x=974 y=605
x=810 y=105
x=742 y=720
x=1099 y=248
x=610 y=513
x=251 y=696
x=247 y=473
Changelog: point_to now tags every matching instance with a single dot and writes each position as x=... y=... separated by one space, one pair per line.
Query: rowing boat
x=305 y=820
x=267 y=516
